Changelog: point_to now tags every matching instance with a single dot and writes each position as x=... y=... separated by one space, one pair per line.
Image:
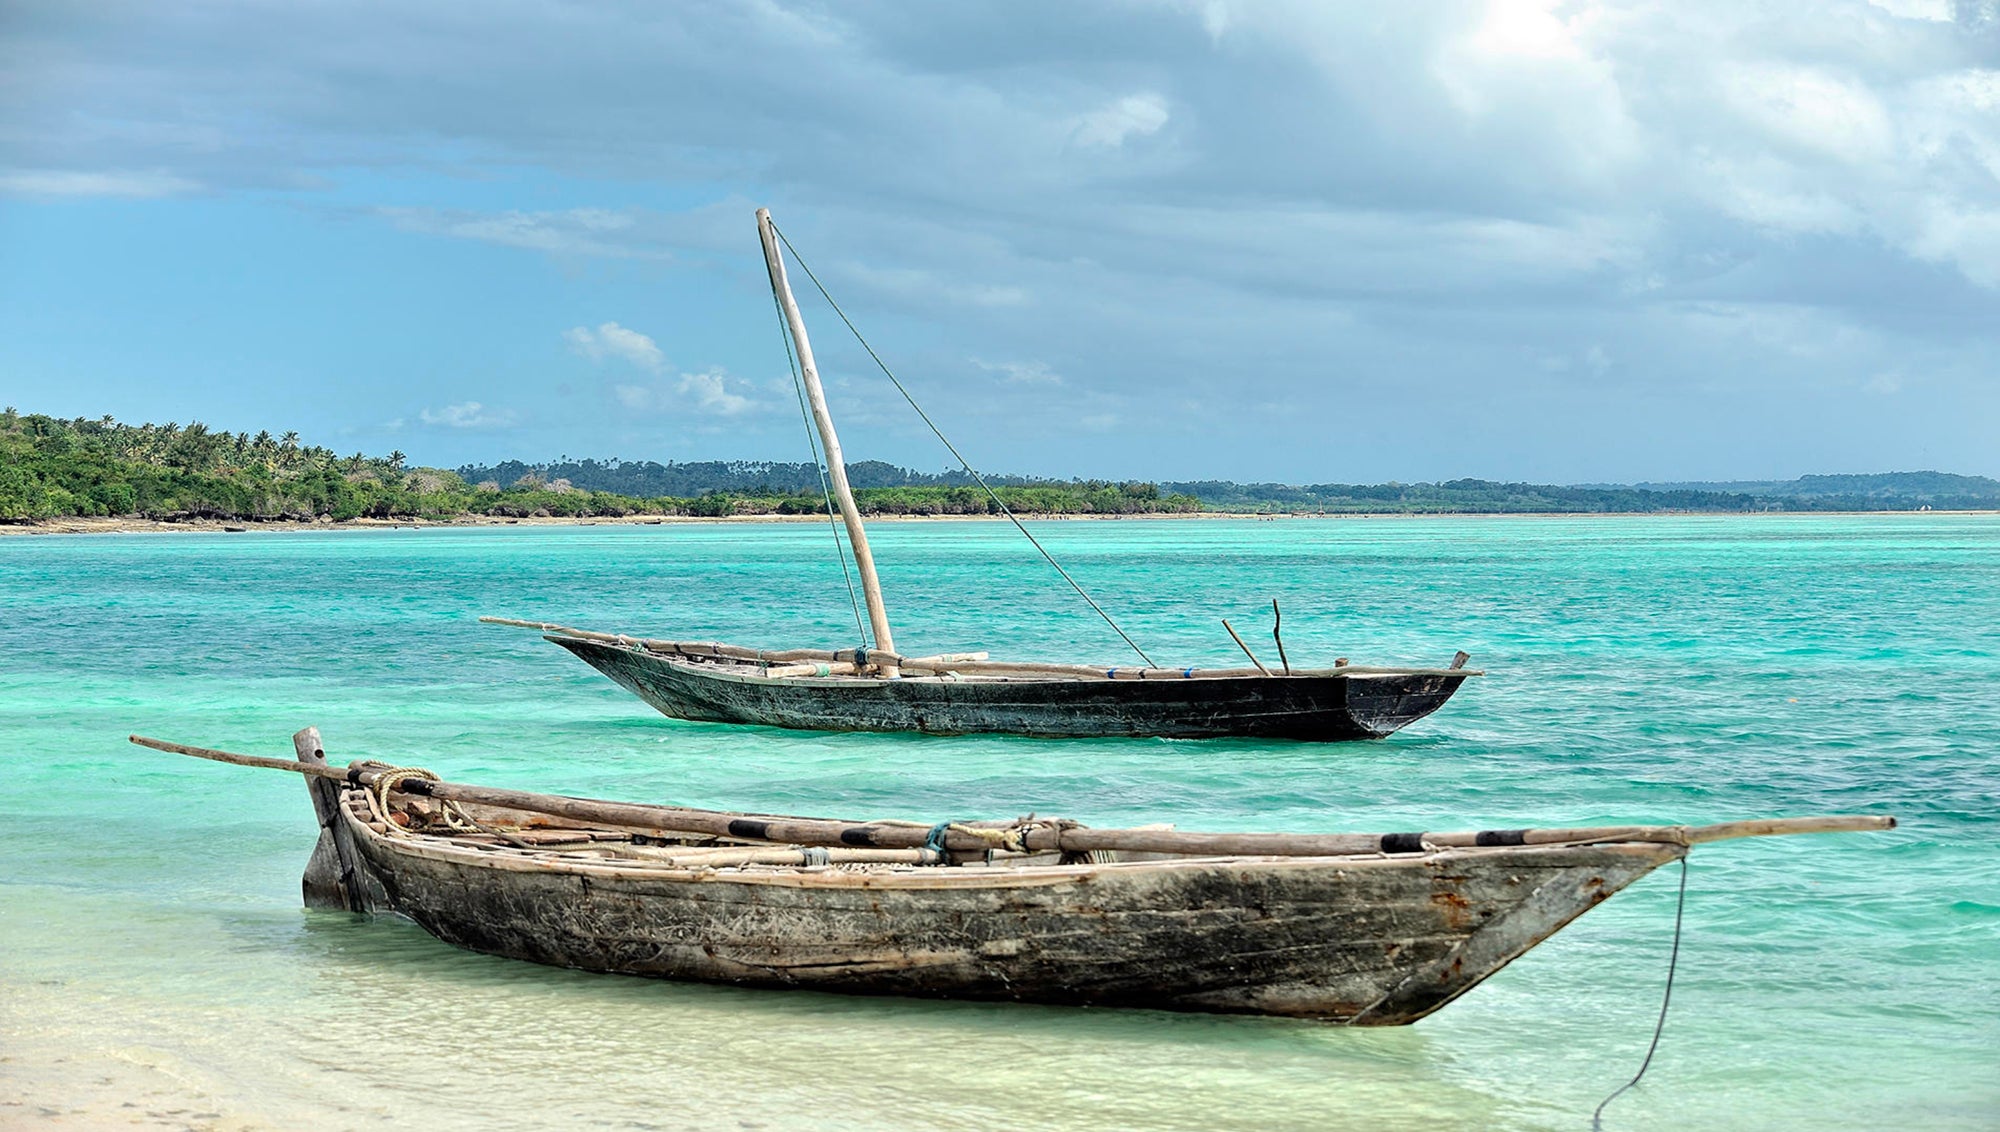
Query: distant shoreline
x=98 y=526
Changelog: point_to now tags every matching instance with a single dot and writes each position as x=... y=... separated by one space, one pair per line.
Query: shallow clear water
x=1679 y=669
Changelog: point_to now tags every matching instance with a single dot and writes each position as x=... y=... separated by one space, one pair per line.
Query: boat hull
x=1379 y=940
x=1315 y=708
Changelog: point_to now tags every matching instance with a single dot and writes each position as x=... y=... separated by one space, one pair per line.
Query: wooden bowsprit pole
x=864 y=559
x=1035 y=836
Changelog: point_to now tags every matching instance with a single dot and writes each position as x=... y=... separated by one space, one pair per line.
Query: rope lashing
x=1010 y=839
x=934 y=840
x=953 y=449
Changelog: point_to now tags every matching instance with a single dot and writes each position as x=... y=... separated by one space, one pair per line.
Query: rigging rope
x=1673 y=961
x=819 y=465
x=953 y=449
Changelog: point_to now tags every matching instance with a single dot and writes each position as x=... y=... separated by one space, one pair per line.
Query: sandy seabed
x=58 y=1081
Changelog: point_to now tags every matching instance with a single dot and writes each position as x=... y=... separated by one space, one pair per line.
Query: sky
x=1291 y=241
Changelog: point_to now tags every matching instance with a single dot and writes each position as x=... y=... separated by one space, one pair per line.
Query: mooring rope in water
x=1673 y=961
x=819 y=465
x=953 y=449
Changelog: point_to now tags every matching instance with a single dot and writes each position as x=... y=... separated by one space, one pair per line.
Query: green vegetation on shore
x=1889 y=491
x=52 y=468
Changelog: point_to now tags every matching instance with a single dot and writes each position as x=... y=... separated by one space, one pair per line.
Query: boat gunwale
x=725 y=668
x=551 y=859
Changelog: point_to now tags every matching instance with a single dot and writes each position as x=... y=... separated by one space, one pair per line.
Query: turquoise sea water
x=1674 y=669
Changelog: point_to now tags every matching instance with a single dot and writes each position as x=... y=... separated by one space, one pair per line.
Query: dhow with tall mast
x=873 y=687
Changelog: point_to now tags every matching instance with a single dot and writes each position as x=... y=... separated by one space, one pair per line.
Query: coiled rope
x=1673 y=962
x=455 y=819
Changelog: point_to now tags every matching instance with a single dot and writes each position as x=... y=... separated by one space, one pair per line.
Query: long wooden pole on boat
x=1038 y=836
x=836 y=464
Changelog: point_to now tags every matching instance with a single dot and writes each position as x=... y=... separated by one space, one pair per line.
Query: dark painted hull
x=1315 y=708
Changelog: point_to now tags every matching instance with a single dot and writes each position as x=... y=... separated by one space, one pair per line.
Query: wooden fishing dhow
x=1364 y=929
x=874 y=688
x=846 y=690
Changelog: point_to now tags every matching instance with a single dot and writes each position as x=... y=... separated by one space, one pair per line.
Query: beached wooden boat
x=1365 y=929
x=874 y=688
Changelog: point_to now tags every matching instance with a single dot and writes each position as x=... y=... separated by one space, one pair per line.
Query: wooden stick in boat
x=1341 y=844
x=1278 y=635
x=1041 y=836
x=1245 y=648
x=836 y=464
x=822 y=668
x=736 y=856
x=947 y=658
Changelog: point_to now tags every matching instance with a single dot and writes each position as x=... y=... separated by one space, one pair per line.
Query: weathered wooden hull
x=1318 y=708
x=1378 y=940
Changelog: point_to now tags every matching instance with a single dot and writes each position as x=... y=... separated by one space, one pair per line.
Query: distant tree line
x=648 y=478
x=54 y=468
x=1888 y=491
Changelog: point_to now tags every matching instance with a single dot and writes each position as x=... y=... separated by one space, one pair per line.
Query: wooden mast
x=864 y=559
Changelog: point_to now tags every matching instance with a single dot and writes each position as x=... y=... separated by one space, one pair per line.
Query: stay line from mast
x=953 y=449
x=836 y=466
x=826 y=492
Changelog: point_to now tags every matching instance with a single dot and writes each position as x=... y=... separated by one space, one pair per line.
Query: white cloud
x=1134 y=115
x=712 y=392
x=918 y=285
x=1812 y=109
x=1937 y=11
x=601 y=232
x=1529 y=29
x=80 y=183
x=1022 y=373
x=611 y=340
x=466 y=414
